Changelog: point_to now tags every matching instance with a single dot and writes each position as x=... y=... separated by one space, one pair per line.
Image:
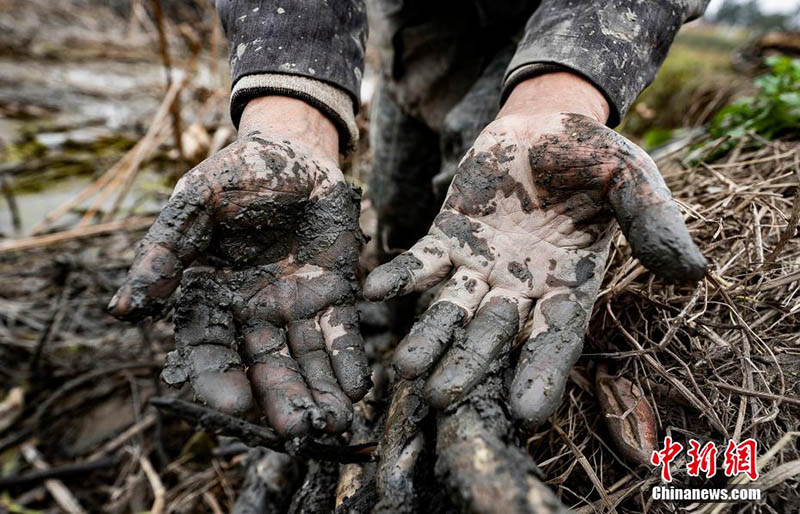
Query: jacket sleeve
x=617 y=45
x=313 y=51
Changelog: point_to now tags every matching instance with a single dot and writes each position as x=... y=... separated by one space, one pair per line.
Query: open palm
x=272 y=239
x=524 y=234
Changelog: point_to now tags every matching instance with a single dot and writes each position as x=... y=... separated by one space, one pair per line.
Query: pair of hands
x=270 y=229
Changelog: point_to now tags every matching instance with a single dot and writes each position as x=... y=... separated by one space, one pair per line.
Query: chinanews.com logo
x=738 y=459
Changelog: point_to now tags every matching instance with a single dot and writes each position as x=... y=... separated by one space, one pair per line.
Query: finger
x=278 y=385
x=422 y=266
x=652 y=222
x=488 y=335
x=205 y=339
x=308 y=349
x=559 y=323
x=181 y=231
x=431 y=335
x=346 y=350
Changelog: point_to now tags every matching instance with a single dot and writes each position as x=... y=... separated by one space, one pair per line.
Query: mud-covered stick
x=219 y=423
x=481 y=472
x=355 y=491
x=400 y=448
x=318 y=492
x=216 y=422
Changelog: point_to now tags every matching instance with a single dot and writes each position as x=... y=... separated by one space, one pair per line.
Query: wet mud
x=400 y=451
x=547 y=357
x=428 y=339
x=270 y=482
x=487 y=336
x=480 y=177
x=588 y=156
x=481 y=465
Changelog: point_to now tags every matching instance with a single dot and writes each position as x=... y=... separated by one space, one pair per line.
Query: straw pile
x=717 y=361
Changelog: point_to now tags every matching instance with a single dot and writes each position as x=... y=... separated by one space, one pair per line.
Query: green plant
x=773 y=111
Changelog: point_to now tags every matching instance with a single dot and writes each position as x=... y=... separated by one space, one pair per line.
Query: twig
x=15 y=439
x=144 y=424
x=13 y=208
x=163 y=47
x=162 y=459
x=156 y=485
x=757 y=394
x=79 y=381
x=65 y=207
x=67 y=471
x=130 y=177
x=678 y=321
x=746 y=363
x=789 y=231
x=616 y=497
x=129 y=164
x=212 y=503
x=63 y=497
x=702 y=407
x=755 y=161
x=135 y=223
x=584 y=462
x=216 y=422
x=59 y=309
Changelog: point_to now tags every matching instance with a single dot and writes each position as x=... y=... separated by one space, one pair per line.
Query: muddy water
x=76 y=116
x=146 y=196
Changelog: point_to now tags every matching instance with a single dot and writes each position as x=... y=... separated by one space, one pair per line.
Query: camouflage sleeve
x=618 y=45
x=313 y=51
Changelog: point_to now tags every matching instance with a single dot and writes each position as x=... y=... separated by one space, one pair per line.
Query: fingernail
x=112 y=305
x=318 y=418
x=386 y=282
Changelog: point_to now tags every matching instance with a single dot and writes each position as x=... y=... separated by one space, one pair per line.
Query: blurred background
x=105 y=104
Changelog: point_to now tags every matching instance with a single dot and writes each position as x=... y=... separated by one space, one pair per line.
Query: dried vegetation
x=715 y=361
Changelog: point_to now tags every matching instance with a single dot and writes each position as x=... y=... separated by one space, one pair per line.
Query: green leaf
x=774 y=110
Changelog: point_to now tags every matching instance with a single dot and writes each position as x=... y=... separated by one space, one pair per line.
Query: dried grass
x=717 y=360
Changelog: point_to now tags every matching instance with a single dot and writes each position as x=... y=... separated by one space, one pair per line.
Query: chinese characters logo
x=738 y=458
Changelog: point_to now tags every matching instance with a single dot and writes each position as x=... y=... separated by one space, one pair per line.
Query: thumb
x=652 y=223
x=181 y=232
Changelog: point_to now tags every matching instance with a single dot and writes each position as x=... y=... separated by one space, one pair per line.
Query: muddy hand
x=266 y=310
x=525 y=232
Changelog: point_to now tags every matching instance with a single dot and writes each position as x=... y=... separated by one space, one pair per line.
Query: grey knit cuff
x=335 y=103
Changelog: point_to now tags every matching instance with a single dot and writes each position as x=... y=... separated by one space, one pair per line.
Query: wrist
x=294 y=120
x=556 y=92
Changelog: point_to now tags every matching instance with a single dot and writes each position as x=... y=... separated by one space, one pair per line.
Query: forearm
x=616 y=46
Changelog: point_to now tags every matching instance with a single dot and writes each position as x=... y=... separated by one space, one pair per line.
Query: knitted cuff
x=335 y=103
